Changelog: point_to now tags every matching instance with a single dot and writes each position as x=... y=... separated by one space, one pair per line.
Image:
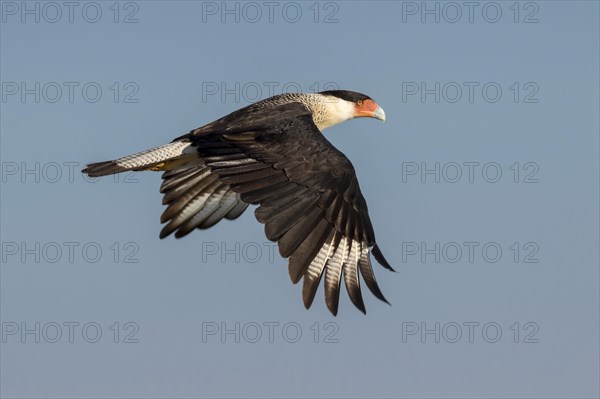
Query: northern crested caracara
x=272 y=154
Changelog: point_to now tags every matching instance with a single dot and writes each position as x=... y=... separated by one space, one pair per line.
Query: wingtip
x=384 y=299
x=332 y=303
x=307 y=303
x=360 y=306
x=164 y=233
x=381 y=259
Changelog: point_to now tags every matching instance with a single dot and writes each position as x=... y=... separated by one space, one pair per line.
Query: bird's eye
x=359 y=102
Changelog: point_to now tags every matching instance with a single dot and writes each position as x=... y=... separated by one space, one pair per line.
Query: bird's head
x=342 y=105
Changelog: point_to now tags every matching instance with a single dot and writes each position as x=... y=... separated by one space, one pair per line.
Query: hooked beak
x=369 y=108
x=379 y=114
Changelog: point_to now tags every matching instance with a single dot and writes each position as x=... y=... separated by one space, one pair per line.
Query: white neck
x=333 y=110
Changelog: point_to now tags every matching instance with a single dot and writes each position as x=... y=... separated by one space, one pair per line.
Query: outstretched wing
x=308 y=196
x=195 y=198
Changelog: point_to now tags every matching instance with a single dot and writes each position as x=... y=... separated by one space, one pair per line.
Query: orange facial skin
x=368 y=108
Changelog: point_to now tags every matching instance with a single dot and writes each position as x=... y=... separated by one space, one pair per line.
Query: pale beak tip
x=379 y=114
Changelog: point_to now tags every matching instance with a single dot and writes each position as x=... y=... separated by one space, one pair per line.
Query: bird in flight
x=272 y=154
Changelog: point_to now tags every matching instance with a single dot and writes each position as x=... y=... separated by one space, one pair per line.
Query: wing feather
x=313 y=274
x=209 y=207
x=196 y=199
x=292 y=239
x=283 y=222
x=366 y=270
x=176 y=205
x=228 y=201
x=190 y=208
x=306 y=252
x=351 y=276
x=237 y=210
x=195 y=181
x=333 y=274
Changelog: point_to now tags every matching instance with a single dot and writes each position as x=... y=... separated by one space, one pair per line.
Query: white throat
x=336 y=111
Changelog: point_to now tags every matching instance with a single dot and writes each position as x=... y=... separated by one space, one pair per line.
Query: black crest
x=347 y=95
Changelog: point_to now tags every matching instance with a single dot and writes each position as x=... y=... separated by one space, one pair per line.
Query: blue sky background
x=175 y=292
